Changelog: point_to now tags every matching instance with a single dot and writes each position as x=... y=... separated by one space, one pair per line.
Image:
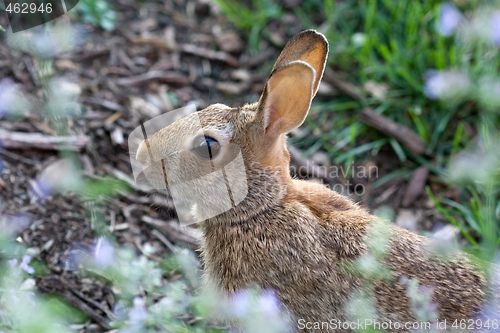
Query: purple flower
x=445 y=84
x=482 y=156
x=78 y=255
x=495 y=28
x=104 y=252
x=138 y=313
x=449 y=19
x=45 y=44
x=12 y=263
x=240 y=303
x=14 y=223
x=7 y=95
x=24 y=265
x=269 y=302
x=40 y=190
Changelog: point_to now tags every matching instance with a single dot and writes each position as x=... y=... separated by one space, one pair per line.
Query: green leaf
x=398 y=149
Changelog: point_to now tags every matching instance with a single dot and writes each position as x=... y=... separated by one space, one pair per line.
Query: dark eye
x=206 y=147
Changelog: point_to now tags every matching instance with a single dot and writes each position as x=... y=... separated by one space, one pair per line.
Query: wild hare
x=296 y=237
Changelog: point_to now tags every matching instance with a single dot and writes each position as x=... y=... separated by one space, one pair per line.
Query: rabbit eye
x=206 y=147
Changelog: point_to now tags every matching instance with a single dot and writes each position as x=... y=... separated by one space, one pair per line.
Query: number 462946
x=26 y=8
x=475 y=324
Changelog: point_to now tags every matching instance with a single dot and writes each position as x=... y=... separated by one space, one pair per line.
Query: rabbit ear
x=309 y=46
x=293 y=83
x=286 y=98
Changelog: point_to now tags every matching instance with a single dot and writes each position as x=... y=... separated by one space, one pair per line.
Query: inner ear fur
x=286 y=99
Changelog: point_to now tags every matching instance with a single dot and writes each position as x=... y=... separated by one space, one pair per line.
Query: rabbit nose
x=143 y=152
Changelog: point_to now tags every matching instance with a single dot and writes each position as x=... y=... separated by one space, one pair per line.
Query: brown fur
x=295 y=236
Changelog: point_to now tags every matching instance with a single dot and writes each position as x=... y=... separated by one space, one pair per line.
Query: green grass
x=98 y=13
x=252 y=20
x=395 y=43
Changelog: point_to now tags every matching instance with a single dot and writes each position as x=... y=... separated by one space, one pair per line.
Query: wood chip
x=229 y=41
x=66 y=64
x=114 y=117
x=232 y=88
x=117 y=136
x=157 y=42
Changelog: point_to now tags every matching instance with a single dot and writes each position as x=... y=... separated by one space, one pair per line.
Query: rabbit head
x=233 y=160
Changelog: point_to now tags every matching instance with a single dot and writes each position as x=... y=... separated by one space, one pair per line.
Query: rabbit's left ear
x=292 y=84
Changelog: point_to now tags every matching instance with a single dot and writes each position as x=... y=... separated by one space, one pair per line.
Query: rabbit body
x=297 y=237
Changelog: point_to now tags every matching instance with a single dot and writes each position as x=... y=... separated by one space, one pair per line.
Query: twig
x=125 y=59
x=403 y=134
x=126 y=178
x=77 y=302
x=18 y=158
x=416 y=187
x=87 y=299
x=90 y=54
x=22 y=140
x=209 y=54
x=174 y=231
x=345 y=87
x=166 y=76
x=137 y=242
x=104 y=103
x=165 y=241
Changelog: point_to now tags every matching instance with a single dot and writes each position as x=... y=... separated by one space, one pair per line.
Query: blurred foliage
x=99 y=13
